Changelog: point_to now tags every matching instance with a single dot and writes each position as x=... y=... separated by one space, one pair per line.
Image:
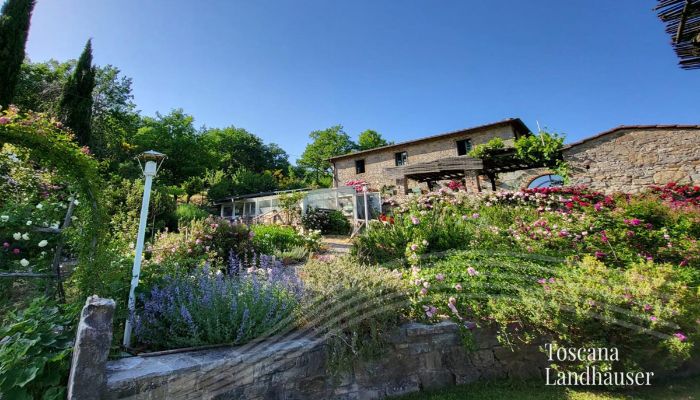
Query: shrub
x=188 y=212
x=201 y=241
x=338 y=224
x=557 y=222
x=647 y=311
x=289 y=203
x=354 y=306
x=331 y=222
x=35 y=352
x=268 y=239
x=470 y=281
x=292 y=255
x=214 y=308
x=678 y=195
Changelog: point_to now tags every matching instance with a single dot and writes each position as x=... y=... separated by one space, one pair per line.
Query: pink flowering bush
x=558 y=222
x=678 y=195
x=209 y=241
x=511 y=258
x=358 y=184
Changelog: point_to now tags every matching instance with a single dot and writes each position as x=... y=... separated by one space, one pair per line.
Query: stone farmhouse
x=626 y=158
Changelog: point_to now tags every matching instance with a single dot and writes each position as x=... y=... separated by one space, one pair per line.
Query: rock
x=92 y=342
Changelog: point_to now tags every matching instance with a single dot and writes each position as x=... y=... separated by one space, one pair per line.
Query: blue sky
x=405 y=68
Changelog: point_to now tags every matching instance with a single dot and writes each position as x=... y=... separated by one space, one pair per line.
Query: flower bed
x=210 y=307
x=579 y=267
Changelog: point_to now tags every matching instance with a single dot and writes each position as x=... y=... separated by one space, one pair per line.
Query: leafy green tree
x=234 y=148
x=247 y=182
x=14 y=28
x=40 y=86
x=276 y=158
x=220 y=185
x=114 y=115
x=175 y=135
x=76 y=104
x=370 y=139
x=324 y=145
x=193 y=185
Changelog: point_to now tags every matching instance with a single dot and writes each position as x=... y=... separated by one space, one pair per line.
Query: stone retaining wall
x=419 y=357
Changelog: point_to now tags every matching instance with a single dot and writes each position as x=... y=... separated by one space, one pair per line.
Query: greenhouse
x=252 y=207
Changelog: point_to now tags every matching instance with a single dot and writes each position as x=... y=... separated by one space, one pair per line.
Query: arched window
x=548 y=180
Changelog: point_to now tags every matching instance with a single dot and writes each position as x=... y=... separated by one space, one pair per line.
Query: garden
x=580 y=268
x=569 y=266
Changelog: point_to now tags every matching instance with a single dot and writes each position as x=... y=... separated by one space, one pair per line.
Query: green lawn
x=686 y=389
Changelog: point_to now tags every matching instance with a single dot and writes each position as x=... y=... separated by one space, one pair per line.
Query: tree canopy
x=324 y=145
x=236 y=148
x=175 y=135
x=370 y=139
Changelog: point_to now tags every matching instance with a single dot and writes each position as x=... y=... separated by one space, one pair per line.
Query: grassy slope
x=688 y=389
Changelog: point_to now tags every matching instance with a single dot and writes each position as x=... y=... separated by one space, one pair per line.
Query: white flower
x=23 y=262
x=54 y=225
x=39 y=206
x=73 y=218
x=76 y=202
x=4 y=218
x=17 y=236
x=29 y=223
x=43 y=243
x=25 y=236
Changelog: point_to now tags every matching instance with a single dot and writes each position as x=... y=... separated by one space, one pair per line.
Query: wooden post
x=492 y=178
x=56 y=263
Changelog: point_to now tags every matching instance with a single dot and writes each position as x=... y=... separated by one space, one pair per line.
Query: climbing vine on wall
x=541 y=150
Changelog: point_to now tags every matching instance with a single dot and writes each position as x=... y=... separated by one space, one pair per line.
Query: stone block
x=92 y=343
x=482 y=359
x=470 y=375
x=431 y=361
x=436 y=379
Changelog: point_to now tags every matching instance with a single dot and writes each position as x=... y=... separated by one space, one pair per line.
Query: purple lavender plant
x=254 y=295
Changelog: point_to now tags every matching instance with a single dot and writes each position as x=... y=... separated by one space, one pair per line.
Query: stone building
x=410 y=166
x=626 y=158
x=629 y=158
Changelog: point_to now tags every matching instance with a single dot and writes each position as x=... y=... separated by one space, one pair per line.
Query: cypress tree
x=15 y=17
x=76 y=103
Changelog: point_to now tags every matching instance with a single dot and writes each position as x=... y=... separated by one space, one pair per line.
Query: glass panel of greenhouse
x=345 y=199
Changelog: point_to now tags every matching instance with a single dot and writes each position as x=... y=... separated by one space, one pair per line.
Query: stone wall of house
x=420 y=357
x=376 y=163
x=629 y=160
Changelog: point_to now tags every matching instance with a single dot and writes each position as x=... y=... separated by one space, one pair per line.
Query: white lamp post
x=149 y=161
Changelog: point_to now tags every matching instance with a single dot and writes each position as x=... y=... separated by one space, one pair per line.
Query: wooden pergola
x=455 y=168
x=682 y=19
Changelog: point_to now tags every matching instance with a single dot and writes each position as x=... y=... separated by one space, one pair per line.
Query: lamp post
x=149 y=161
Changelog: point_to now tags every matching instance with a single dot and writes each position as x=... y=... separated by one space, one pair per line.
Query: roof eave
x=519 y=127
